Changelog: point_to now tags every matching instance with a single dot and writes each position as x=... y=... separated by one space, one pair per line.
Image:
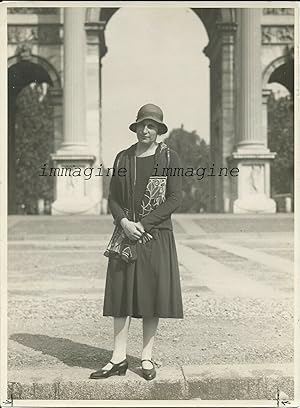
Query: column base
x=252 y=186
x=255 y=203
x=73 y=193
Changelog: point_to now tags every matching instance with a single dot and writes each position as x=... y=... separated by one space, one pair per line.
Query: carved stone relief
x=277 y=34
x=253 y=179
x=32 y=10
x=279 y=11
x=42 y=34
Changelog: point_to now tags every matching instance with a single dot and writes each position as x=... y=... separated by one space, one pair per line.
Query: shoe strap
x=117 y=363
x=148 y=360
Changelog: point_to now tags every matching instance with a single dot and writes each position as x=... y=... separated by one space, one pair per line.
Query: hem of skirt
x=142 y=316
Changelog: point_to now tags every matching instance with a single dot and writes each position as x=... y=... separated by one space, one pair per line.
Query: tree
x=193 y=152
x=34 y=143
x=281 y=141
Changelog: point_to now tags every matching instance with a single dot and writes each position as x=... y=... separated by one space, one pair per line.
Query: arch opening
x=147 y=65
x=30 y=137
x=284 y=75
x=281 y=134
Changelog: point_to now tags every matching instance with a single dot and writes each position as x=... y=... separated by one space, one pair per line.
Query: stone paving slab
x=242 y=382
x=217 y=275
x=272 y=261
x=182 y=223
x=207 y=382
x=256 y=223
x=74 y=383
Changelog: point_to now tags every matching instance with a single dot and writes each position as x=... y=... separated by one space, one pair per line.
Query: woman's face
x=147 y=131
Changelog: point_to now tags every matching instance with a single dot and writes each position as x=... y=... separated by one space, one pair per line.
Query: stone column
x=95 y=51
x=250 y=87
x=212 y=51
x=221 y=51
x=71 y=186
x=252 y=156
x=74 y=80
x=265 y=97
x=228 y=32
x=57 y=103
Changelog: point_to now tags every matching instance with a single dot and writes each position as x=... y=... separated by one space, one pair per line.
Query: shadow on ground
x=71 y=353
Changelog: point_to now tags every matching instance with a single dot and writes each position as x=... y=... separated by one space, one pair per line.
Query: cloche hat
x=150 y=111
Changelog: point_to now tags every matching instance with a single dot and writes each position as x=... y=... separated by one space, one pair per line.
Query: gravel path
x=55 y=310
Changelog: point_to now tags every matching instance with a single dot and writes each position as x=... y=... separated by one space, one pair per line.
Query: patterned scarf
x=120 y=246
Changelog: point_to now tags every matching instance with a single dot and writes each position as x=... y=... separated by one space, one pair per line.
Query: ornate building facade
x=61 y=49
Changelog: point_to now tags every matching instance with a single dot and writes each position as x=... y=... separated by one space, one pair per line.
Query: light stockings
x=149 y=331
x=121 y=329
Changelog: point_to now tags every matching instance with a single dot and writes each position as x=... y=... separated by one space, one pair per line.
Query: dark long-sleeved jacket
x=122 y=188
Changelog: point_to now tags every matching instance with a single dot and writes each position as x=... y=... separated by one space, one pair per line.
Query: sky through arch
x=154 y=55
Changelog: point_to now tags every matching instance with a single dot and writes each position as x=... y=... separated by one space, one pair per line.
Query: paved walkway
x=237 y=283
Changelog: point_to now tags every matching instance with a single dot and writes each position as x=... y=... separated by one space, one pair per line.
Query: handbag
x=120 y=246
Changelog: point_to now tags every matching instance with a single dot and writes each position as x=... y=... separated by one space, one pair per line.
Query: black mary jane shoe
x=117 y=369
x=149 y=373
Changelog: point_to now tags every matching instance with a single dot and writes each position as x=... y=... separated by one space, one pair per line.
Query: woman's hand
x=131 y=229
x=140 y=227
x=146 y=236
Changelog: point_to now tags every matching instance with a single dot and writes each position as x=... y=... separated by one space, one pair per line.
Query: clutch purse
x=120 y=246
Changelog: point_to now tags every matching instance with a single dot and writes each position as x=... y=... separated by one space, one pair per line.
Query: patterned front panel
x=155 y=194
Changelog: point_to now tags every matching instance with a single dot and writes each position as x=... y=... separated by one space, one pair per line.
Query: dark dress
x=149 y=287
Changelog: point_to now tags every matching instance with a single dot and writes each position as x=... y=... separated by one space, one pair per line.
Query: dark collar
x=161 y=146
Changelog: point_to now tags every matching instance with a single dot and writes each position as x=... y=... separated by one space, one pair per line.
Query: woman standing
x=142 y=276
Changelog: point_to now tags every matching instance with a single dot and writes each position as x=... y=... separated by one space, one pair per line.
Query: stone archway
x=220 y=25
x=238 y=39
x=281 y=70
x=25 y=69
x=237 y=133
x=279 y=125
x=51 y=73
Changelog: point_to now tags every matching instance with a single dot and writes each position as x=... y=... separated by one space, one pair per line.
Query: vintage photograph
x=150 y=203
